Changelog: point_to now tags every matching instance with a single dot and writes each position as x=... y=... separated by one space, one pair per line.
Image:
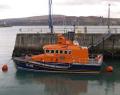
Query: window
x=57 y=51
x=65 y=52
x=61 y=52
x=69 y=52
x=52 y=51
x=47 y=51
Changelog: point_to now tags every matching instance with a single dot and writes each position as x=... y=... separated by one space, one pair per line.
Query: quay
x=32 y=43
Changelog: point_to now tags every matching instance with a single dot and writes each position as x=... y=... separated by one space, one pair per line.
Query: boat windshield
x=58 y=51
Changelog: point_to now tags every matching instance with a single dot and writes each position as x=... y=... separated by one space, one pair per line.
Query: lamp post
x=108 y=17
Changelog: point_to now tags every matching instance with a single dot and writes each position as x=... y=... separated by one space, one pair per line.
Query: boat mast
x=108 y=17
x=50 y=16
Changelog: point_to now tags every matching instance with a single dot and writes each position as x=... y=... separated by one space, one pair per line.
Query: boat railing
x=92 y=60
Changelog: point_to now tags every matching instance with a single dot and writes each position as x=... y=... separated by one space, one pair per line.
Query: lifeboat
x=63 y=57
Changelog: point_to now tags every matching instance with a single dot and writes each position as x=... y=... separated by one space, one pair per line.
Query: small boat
x=63 y=57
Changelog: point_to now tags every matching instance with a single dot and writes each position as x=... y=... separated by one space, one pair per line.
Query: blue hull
x=57 y=67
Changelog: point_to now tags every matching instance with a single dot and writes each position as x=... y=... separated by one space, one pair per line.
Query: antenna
x=109 y=17
x=50 y=16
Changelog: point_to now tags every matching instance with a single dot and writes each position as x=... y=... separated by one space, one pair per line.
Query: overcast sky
x=26 y=8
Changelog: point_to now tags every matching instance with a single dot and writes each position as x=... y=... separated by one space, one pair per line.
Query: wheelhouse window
x=69 y=52
x=61 y=52
x=52 y=51
x=57 y=51
x=47 y=51
x=65 y=51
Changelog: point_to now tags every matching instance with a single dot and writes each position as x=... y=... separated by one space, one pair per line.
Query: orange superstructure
x=64 y=51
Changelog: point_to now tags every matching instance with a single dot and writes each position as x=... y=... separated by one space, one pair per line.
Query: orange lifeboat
x=63 y=57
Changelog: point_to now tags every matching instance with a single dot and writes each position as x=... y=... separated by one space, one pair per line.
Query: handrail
x=105 y=37
x=63 y=29
x=83 y=60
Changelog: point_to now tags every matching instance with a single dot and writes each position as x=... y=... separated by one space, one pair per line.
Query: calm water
x=26 y=83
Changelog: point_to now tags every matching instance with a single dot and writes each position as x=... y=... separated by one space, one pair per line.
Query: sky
x=27 y=8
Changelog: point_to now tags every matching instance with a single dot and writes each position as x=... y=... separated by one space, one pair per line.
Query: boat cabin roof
x=63 y=44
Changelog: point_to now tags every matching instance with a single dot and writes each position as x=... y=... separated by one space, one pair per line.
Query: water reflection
x=61 y=86
x=53 y=84
x=57 y=84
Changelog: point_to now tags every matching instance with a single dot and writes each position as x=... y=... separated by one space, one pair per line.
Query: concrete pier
x=27 y=43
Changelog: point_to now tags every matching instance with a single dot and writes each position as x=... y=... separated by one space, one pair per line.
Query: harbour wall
x=32 y=43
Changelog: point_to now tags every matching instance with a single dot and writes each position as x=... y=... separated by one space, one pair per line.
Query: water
x=28 y=83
